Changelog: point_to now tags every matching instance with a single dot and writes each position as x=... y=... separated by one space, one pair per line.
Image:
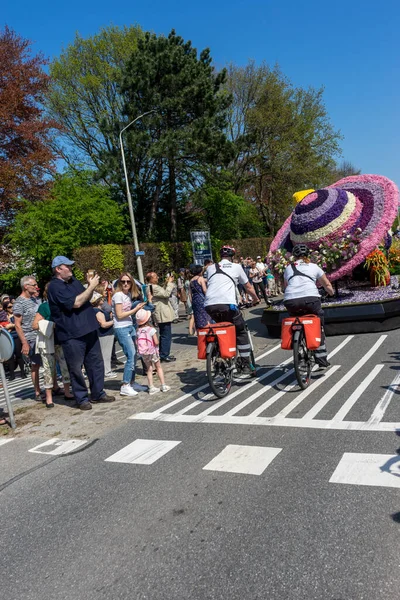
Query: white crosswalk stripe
x=368 y=469
x=242 y=408
x=143 y=452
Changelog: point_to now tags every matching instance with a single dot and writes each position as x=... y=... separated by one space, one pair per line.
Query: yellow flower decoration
x=298 y=196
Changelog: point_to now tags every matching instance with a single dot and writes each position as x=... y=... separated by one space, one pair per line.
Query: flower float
x=361 y=206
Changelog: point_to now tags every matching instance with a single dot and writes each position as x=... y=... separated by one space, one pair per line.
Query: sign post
x=6 y=352
x=201 y=245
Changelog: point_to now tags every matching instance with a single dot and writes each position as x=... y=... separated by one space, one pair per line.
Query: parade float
x=347 y=226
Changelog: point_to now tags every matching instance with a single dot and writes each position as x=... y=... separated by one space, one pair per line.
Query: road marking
x=245 y=388
x=61 y=446
x=199 y=389
x=296 y=401
x=384 y=402
x=2 y=441
x=142 y=452
x=325 y=399
x=250 y=460
x=286 y=422
x=260 y=392
x=276 y=397
x=368 y=469
x=348 y=405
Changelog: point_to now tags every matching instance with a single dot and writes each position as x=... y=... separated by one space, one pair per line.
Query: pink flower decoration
x=376 y=208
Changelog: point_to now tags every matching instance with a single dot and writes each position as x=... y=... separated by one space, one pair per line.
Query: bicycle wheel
x=302 y=359
x=252 y=358
x=219 y=371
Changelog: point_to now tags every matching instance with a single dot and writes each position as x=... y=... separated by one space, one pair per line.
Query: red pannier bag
x=226 y=333
x=312 y=330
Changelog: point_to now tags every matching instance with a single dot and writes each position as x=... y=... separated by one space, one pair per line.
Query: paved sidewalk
x=68 y=422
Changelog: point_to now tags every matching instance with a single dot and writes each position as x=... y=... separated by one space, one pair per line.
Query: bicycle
x=220 y=370
x=303 y=358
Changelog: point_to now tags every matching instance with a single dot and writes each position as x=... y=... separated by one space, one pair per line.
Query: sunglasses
x=125 y=281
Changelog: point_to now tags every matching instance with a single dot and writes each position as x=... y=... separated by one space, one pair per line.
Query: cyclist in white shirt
x=301 y=293
x=221 y=301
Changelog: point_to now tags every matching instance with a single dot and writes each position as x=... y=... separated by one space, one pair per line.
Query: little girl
x=147 y=344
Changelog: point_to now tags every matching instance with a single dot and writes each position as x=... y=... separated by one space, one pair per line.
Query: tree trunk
x=156 y=198
x=172 y=196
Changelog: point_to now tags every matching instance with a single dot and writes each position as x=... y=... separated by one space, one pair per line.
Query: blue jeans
x=165 y=339
x=125 y=337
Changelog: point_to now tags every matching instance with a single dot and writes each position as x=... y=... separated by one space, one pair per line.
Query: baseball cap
x=258 y=256
x=61 y=260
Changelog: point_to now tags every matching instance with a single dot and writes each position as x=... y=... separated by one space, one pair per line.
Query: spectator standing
x=25 y=309
x=50 y=351
x=148 y=349
x=16 y=359
x=163 y=313
x=207 y=263
x=77 y=331
x=125 y=292
x=257 y=281
x=271 y=283
x=198 y=289
x=106 y=332
x=180 y=284
x=174 y=300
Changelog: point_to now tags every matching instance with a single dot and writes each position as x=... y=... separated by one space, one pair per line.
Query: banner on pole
x=201 y=245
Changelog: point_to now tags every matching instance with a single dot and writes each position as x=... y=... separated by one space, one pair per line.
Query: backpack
x=145 y=343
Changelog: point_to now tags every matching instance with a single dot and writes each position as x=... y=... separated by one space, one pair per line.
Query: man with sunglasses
x=76 y=328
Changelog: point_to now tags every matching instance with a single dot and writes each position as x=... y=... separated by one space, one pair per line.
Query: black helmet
x=227 y=251
x=300 y=250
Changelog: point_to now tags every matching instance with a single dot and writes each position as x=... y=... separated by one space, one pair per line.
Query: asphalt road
x=272 y=494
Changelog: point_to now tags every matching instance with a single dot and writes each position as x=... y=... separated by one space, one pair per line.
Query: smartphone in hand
x=144 y=292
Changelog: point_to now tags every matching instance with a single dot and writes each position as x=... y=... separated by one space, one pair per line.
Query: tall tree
x=287 y=143
x=185 y=134
x=78 y=212
x=85 y=93
x=343 y=169
x=26 y=158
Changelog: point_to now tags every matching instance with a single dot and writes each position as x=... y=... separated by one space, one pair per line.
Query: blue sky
x=350 y=47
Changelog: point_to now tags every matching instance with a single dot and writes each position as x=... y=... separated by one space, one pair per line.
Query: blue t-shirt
x=107 y=316
x=70 y=322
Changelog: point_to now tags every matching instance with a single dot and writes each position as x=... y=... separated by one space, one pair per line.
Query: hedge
x=111 y=259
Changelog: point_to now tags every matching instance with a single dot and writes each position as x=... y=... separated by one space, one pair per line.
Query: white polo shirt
x=301 y=287
x=220 y=289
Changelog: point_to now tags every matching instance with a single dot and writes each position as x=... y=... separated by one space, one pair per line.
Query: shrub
x=110 y=260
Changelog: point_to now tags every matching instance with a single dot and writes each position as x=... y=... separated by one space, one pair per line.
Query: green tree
x=285 y=142
x=184 y=137
x=228 y=215
x=85 y=93
x=79 y=212
x=343 y=169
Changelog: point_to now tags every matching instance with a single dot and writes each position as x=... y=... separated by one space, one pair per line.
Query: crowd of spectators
x=72 y=330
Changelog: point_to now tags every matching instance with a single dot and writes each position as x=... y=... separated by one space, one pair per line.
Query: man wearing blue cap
x=77 y=331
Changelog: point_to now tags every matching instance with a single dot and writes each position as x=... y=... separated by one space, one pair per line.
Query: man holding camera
x=163 y=313
x=77 y=331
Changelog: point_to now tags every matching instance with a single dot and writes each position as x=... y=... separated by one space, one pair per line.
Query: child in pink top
x=147 y=345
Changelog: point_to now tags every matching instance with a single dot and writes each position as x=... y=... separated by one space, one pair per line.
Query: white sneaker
x=138 y=387
x=110 y=375
x=127 y=390
x=165 y=388
x=153 y=390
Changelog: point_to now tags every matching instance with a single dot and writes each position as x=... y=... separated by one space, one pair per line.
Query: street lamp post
x=129 y=197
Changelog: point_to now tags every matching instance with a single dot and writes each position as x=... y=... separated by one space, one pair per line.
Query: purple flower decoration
x=362 y=208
